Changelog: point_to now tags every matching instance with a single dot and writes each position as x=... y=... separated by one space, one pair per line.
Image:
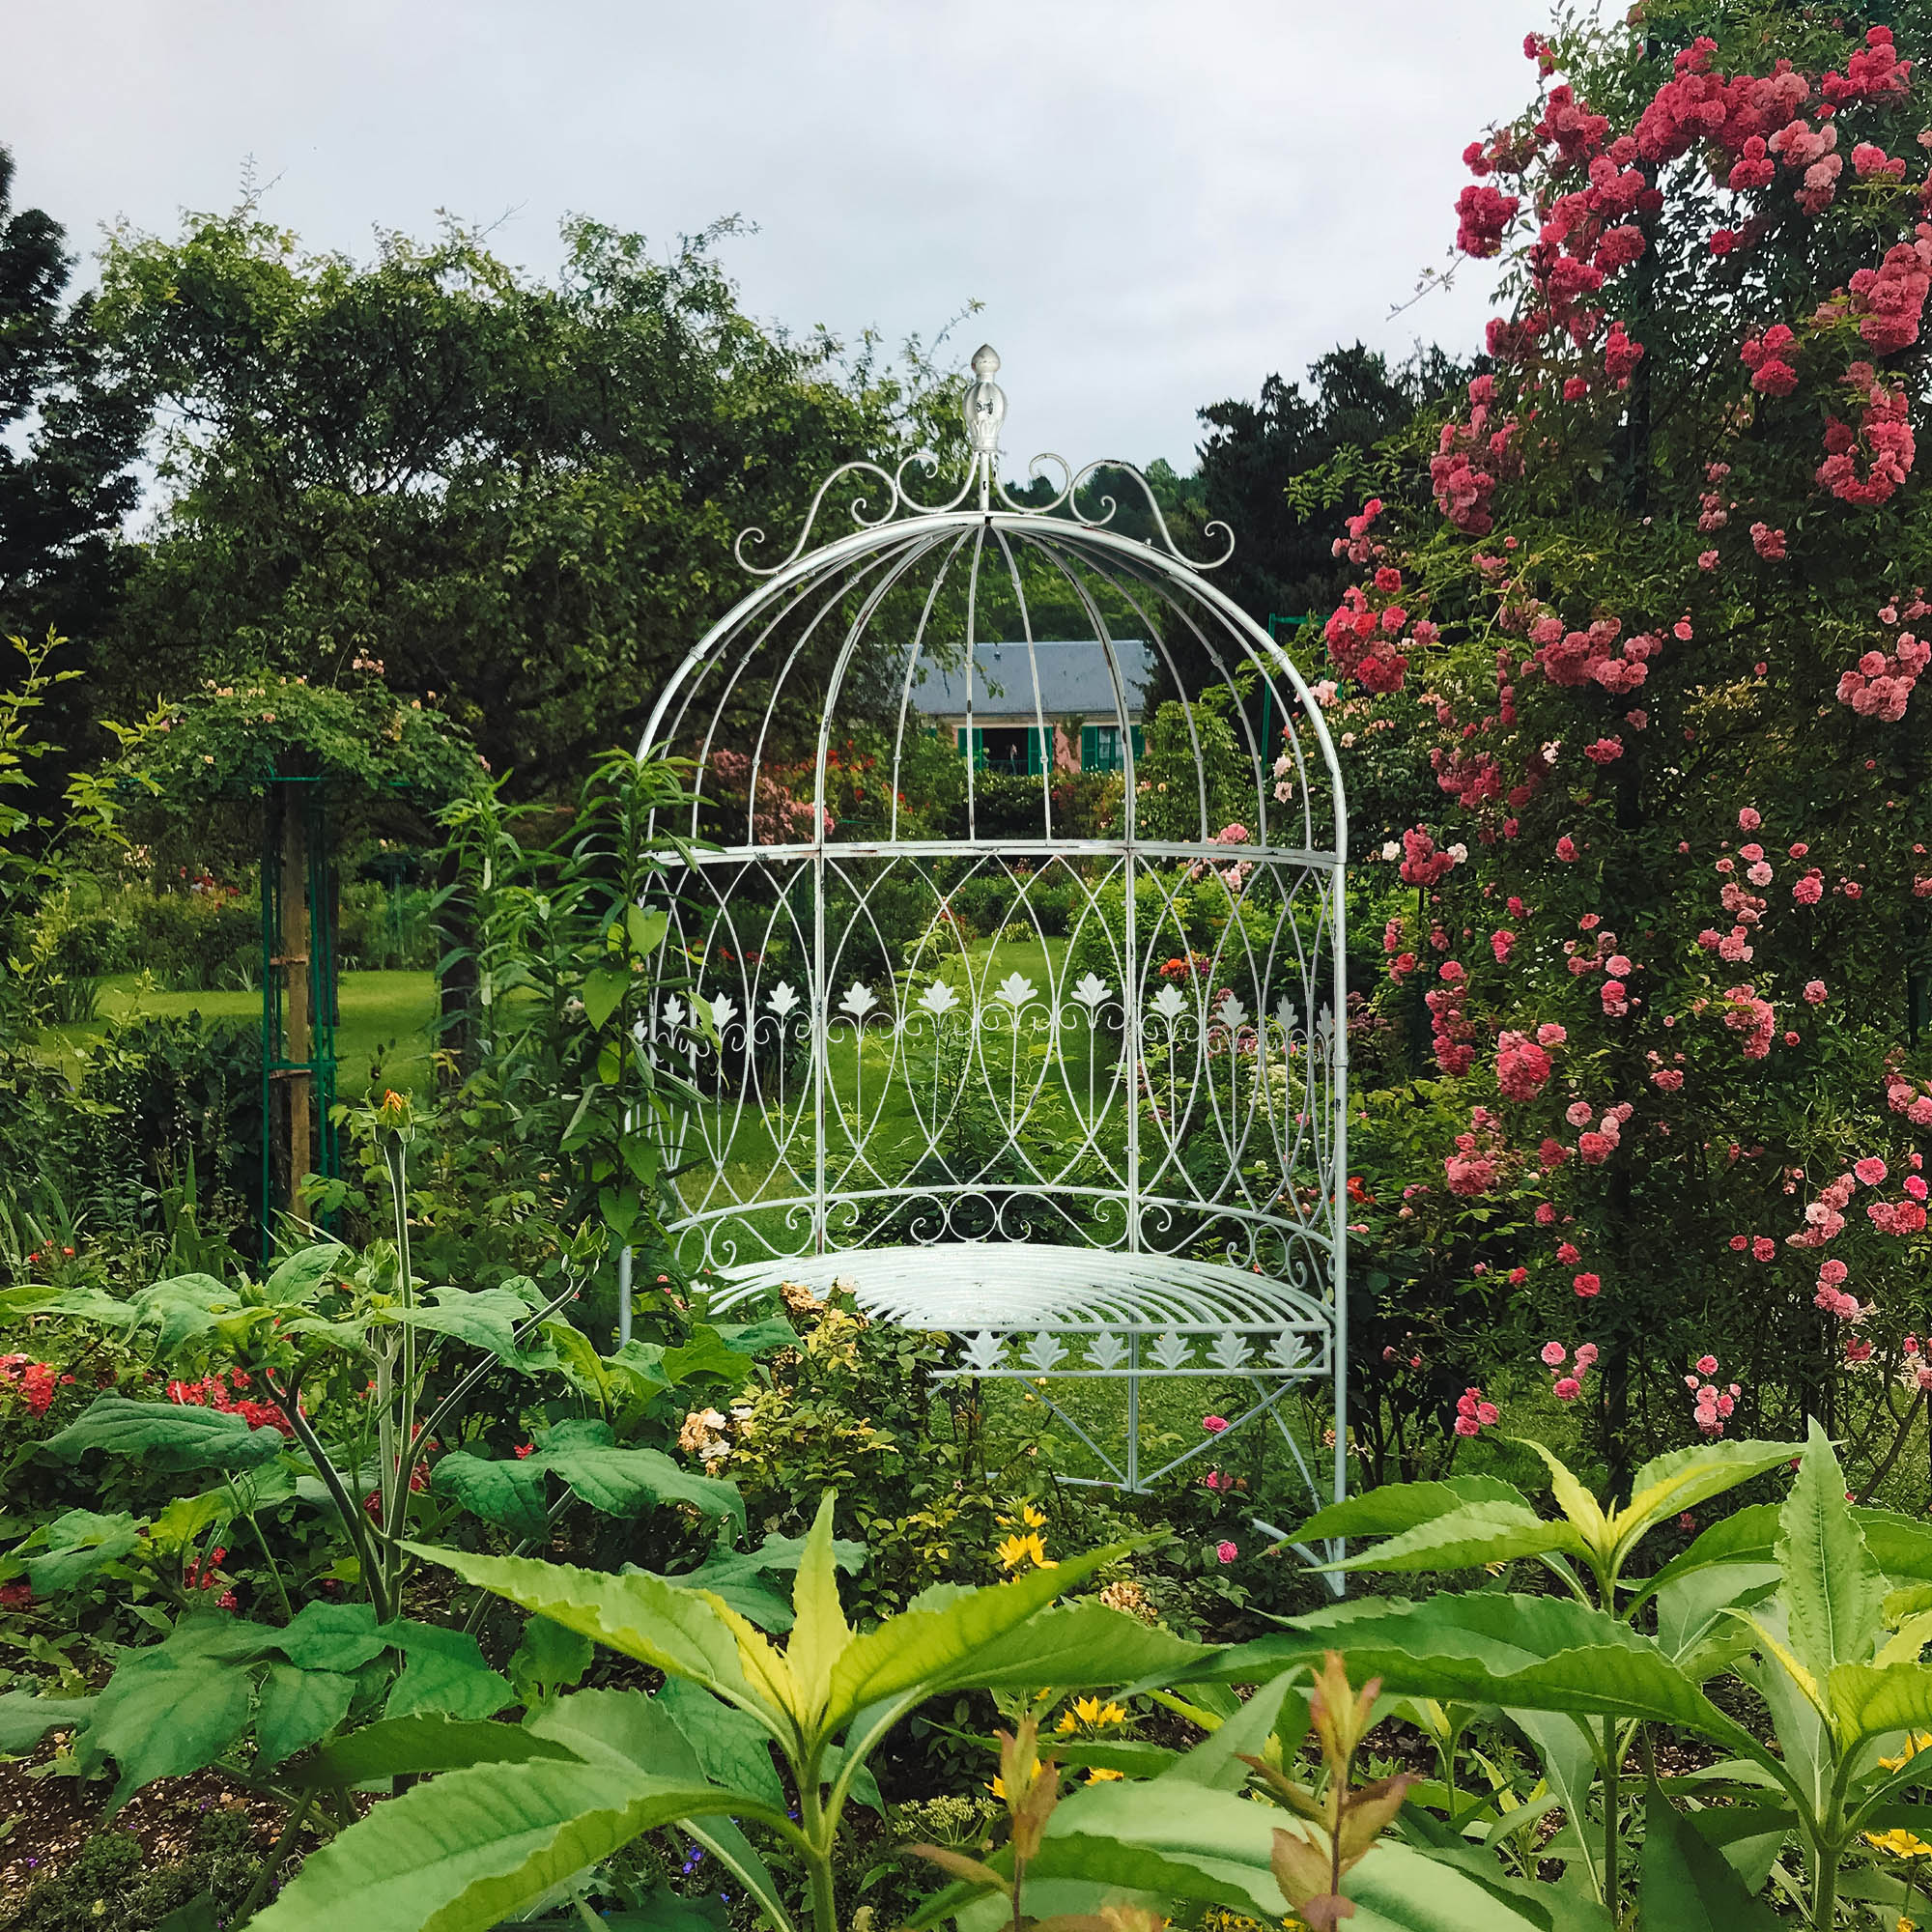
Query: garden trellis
x=1104 y=1141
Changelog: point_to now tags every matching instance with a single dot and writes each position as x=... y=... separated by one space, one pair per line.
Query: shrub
x=1663 y=930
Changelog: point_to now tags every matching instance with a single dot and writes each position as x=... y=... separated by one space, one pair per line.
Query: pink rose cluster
x=1523 y=1067
x=1909 y=1100
x=1882 y=682
x=1566 y=1382
x=1474 y=1412
x=1883 y=428
x=1832 y=1296
x=1710 y=1406
x=1824 y=1217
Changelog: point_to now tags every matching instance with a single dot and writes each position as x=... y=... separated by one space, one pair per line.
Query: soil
x=47 y=1817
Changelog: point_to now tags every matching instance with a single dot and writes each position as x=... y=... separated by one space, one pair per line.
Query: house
x=1055 y=702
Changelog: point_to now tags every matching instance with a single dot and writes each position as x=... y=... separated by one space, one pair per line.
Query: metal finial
x=985 y=404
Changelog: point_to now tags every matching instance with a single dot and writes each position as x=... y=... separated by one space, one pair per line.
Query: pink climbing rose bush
x=1650 y=609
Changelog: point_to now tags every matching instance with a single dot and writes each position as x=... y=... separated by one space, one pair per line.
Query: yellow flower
x=1914 y=1743
x=1901 y=1844
x=998 y=1788
x=1018 y=1549
x=1093 y=1714
x=1031 y=1517
x=1101 y=1776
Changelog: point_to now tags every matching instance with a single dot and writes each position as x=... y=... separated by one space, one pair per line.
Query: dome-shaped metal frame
x=1123 y=1158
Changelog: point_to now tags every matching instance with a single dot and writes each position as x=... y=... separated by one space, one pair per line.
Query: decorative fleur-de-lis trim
x=1090 y=990
x=782 y=1000
x=723 y=1011
x=1231 y=1012
x=1106 y=1352
x=1289 y=1350
x=858 y=1000
x=1014 y=991
x=1172 y=1351
x=672 y=1010
x=1045 y=1353
x=1287 y=1014
x=939 y=998
x=1229 y=1350
x=1168 y=1003
x=986 y=1349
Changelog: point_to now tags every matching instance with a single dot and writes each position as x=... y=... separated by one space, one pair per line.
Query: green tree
x=517 y=495
x=70 y=426
x=1285 y=563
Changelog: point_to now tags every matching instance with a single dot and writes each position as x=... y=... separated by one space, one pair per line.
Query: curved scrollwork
x=983 y=471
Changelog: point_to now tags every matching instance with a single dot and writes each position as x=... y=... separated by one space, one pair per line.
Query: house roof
x=1073 y=680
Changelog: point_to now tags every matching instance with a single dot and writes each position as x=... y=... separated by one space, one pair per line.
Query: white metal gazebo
x=1034 y=1036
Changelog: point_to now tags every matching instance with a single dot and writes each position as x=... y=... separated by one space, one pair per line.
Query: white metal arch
x=1139 y=1174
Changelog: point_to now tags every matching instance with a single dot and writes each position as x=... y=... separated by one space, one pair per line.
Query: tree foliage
x=516 y=494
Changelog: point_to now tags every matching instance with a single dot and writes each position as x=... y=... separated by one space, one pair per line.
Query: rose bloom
x=1586 y=1285
x=1814 y=992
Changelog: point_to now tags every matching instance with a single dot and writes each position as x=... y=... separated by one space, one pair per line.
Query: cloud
x=1158 y=203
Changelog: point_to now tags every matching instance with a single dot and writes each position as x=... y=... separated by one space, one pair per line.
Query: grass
x=386 y=1021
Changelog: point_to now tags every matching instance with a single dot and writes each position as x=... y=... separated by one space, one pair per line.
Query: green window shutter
x=1089 y=748
x=1139 y=743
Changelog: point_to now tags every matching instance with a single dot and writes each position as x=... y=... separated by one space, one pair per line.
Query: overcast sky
x=1158 y=201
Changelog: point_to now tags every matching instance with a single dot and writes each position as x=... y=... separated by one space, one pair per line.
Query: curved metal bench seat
x=1025 y=1309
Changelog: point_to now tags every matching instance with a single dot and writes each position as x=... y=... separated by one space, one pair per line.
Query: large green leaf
x=1834 y=1590
x=188 y=1305
x=641 y=1731
x=1682 y=1478
x=1901 y=1545
x=764 y=1337
x=1688 y=1885
x=445 y=1671
x=1748 y=1535
x=26 y=1717
x=1215 y=1848
x=168 y=1435
x=626 y=1482
x=462 y=1852
x=297 y=1708
x=733 y=1749
x=820 y=1633
x=1476 y=1533
x=674 y=1630
x=1867 y=1702
x=331 y=1636
x=1216 y=1761
x=407 y=1747
x=509 y=1493
x=943 y=1648
x=1533 y=1653
x=296 y=1278
x=163 y=1715
x=485 y=1317
x=77 y=1546
x=1400 y=1506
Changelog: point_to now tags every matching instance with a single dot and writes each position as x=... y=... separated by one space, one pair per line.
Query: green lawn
x=379 y=1011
